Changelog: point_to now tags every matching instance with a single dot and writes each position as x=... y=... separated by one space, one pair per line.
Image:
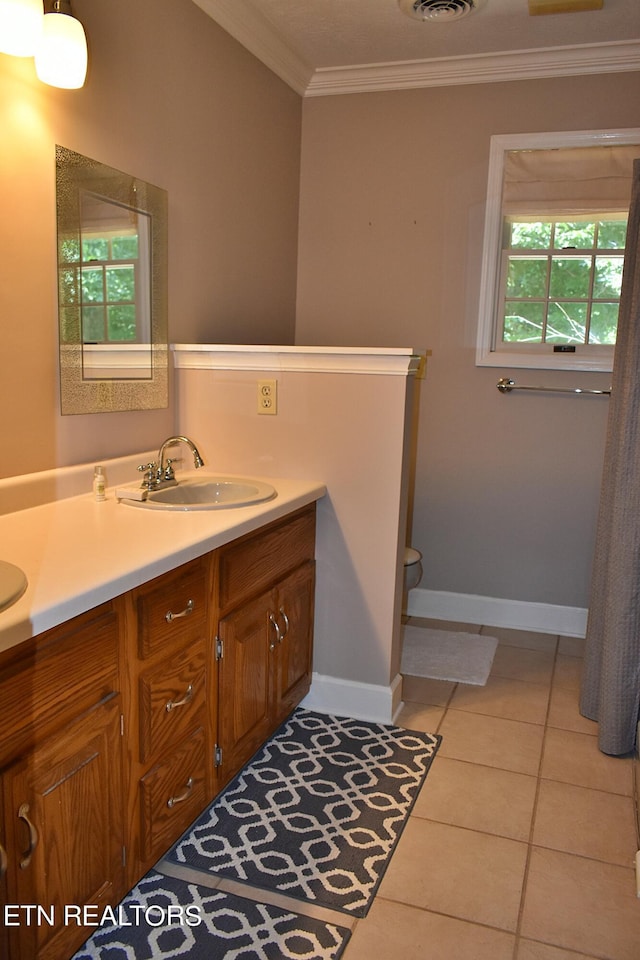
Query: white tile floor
x=522 y=843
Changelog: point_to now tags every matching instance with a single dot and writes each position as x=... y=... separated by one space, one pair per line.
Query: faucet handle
x=168 y=472
x=150 y=473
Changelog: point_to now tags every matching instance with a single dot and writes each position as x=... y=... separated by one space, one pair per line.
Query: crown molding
x=259 y=37
x=615 y=57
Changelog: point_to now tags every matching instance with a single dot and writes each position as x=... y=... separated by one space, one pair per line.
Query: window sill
x=602 y=362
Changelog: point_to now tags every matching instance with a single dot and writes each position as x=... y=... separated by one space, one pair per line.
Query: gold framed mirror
x=112 y=288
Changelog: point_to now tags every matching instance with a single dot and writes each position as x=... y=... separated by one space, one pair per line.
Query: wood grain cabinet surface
x=168 y=631
x=120 y=726
x=266 y=637
x=62 y=823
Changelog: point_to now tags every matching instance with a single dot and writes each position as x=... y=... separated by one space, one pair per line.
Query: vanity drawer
x=172 y=607
x=47 y=681
x=171 y=699
x=253 y=563
x=172 y=795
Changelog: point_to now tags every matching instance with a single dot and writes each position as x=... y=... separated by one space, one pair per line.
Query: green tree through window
x=561 y=280
x=109 y=288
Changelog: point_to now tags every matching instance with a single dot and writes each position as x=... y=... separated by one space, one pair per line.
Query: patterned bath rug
x=163 y=917
x=317 y=813
x=445 y=655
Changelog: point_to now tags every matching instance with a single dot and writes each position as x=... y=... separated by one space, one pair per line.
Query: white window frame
x=488 y=350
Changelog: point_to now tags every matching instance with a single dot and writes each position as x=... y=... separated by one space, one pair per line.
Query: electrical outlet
x=268 y=397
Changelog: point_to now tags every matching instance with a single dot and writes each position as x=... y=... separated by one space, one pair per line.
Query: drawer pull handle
x=171 y=802
x=276 y=627
x=3 y=861
x=33 y=836
x=169 y=616
x=188 y=697
x=286 y=623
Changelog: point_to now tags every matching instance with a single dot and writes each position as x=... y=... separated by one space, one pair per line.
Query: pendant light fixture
x=20 y=26
x=61 y=56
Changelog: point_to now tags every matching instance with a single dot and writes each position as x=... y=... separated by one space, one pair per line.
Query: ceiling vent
x=438 y=11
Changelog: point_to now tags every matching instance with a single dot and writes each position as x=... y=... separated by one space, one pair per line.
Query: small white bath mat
x=445 y=655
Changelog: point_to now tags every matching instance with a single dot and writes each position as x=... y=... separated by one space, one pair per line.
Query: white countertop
x=77 y=553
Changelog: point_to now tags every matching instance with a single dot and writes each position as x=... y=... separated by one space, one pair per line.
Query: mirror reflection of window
x=112 y=288
x=114 y=292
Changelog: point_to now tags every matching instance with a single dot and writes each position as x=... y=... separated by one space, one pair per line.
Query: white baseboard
x=348 y=698
x=496 y=612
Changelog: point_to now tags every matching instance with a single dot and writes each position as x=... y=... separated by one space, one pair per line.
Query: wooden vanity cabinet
x=264 y=634
x=120 y=726
x=62 y=826
x=168 y=719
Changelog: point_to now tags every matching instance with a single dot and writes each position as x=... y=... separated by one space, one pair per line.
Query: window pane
x=124 y=248
x=92 y=289
x=570 y=277
x=120 y=283
x=530 y=236
x=527 y=277
x=523 y=322
x=604 y=323
x=612 y=234
x=608 y=277
x=122 y=322
x=566 y=322
x=92 y=324
x=574 y=235
x=97 y=249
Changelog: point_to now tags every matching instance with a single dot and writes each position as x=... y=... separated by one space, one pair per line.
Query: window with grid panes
x=553 y=252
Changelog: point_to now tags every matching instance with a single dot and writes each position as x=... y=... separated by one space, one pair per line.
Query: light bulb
x=61 y=57
x=20 y=26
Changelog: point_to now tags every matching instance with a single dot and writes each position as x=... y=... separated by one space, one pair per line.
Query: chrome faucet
x=160 y=473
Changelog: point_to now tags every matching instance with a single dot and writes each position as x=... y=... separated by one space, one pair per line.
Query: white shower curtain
x=611 y=682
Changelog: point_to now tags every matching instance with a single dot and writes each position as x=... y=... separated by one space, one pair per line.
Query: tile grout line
x=525 y=876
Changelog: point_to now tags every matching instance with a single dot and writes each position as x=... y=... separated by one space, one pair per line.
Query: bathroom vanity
x=123 y=721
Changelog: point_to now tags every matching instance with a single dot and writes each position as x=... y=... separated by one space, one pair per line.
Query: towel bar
x=505 y=385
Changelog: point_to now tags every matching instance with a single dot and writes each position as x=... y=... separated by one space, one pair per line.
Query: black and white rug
x=163 y=918
x=316 y=814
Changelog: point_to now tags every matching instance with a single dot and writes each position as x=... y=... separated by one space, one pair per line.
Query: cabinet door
x=294 y=651
x=245 y=682
x=64 y=818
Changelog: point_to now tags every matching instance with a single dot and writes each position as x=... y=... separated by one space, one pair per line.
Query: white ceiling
x=342 y=46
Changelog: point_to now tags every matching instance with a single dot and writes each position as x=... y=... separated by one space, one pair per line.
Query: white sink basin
x=13 y=584
x=210 y=493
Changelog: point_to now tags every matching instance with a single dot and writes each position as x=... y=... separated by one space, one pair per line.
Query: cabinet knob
x=33 y=836
x=3 y=861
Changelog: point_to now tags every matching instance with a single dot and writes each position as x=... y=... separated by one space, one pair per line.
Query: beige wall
x=392 y=206
x=323 y=432
x=174 y=100
x=391 y=215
